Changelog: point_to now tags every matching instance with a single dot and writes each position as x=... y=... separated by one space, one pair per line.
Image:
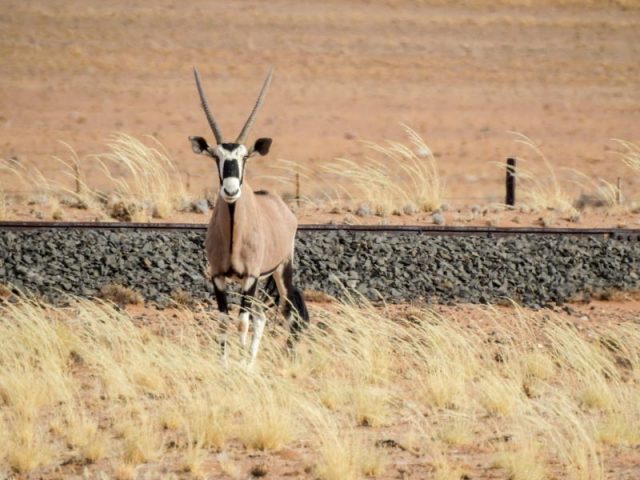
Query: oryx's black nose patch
x=230 y=169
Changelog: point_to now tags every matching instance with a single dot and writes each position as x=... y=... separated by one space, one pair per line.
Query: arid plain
x=409 y=391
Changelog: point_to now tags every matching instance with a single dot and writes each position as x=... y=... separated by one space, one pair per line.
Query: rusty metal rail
x=612 y=233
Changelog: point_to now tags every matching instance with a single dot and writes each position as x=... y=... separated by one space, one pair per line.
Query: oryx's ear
x=261 y=146
x=199 y=145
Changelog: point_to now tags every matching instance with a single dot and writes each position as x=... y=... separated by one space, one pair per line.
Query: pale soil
x=463 y=77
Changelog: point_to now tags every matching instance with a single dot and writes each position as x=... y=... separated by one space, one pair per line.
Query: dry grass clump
x=121 y=295
x=397 y=179
x=630 y=154
x=546 y=188
x=367 y=389
x=144 y=182
x=3 y=205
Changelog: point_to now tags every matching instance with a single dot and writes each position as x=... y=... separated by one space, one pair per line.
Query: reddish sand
x=463 y=77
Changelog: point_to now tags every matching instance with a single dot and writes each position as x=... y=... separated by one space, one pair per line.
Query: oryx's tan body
x=251 y=235
x=262 y=237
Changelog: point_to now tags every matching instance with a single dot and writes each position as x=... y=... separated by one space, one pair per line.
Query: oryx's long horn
x=207 y=111
x=247 y=126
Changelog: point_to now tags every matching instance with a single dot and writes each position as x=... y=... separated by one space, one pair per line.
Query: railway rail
x=609 y=233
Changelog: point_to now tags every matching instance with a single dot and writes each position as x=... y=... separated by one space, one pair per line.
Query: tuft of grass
x=121 y=295
x=542 y=191
x=345 y=455
x=144 y=182
x=396 y=178
x=269 y=424
x=183 y=298
x=151 y=185
x=522 y=463
x=4 y=204
x=630 y=155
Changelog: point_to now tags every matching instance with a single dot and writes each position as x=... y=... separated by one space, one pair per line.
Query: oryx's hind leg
x=219 y=288
x=295 y=309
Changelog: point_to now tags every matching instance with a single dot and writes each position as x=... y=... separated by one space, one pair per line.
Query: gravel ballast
x=530 y=269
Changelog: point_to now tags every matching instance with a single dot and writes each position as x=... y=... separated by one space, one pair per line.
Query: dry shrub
x=121 y=295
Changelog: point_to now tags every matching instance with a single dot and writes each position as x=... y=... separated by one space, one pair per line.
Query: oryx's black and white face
x=231 y=160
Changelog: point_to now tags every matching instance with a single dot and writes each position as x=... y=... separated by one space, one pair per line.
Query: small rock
x=348 y=219
x=438 y=218
x=200 y=206
x=364 y=210
x=410 y=209
x=424 y=152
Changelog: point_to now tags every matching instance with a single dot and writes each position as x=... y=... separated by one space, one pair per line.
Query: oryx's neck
x=235 y=217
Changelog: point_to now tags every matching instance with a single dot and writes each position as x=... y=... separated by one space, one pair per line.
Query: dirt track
x=568 y=77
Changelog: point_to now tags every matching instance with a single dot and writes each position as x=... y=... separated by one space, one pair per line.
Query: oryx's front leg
x=249 y=288
x=251 y=309
x=219 y=288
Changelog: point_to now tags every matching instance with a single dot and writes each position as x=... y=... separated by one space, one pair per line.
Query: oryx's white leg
x=249 y=288
x=219 y=287
x=259 y=321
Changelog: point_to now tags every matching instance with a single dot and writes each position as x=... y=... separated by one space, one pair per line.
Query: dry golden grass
x=535 y=398
x=3 y=205
x=121 y=295
x=144 y=182
x=630 y=154
x=397 y=178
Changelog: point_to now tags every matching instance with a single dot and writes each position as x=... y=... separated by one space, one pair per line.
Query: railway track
x=609 y=233
x=534 y=266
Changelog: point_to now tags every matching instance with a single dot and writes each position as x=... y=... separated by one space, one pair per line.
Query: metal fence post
x=511 y=182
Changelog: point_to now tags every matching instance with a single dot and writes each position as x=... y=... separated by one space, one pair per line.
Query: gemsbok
x=251 y=235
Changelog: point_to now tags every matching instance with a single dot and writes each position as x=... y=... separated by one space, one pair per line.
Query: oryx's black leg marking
x=221 y=299
x=223 y=307
x=247 y=307
x=248 y=296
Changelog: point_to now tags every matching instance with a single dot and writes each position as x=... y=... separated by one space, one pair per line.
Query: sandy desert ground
x=565 y=74
x=522 y=405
